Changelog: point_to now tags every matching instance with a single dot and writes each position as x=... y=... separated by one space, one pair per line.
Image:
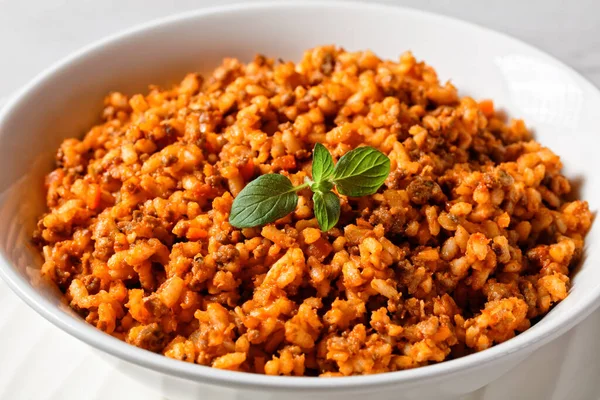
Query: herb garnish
x=359 y=172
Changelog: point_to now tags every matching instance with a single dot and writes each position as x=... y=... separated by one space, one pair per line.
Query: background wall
x=35 y=33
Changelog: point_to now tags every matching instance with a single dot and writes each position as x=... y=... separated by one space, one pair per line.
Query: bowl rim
x=530 y=339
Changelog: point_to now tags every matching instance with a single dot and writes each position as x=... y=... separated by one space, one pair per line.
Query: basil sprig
x=360 y=172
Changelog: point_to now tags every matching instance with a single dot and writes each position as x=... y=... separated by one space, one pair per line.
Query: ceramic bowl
x=555 y=101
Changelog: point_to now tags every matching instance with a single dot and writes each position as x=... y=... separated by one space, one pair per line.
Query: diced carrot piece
x=320 y=249
x=247 y=170
x=487 y=108
x=284 y=162
x=94 y=197
x=196 y=233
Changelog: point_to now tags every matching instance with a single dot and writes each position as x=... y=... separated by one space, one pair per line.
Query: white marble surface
x=38 y=361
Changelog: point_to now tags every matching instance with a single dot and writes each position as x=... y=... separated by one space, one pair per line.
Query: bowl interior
x=557 y=103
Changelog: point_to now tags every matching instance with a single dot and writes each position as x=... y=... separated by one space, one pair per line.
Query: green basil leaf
x=322 y=187
x=322 y=166
x=327 y=209
x=361 y=172
x=265 y=199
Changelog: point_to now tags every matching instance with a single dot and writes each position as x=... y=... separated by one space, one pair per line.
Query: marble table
x=39 y=361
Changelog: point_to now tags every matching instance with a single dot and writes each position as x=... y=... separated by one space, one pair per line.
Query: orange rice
x=470 y=240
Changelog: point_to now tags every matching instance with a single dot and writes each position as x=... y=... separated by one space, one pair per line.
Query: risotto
x=470 y=240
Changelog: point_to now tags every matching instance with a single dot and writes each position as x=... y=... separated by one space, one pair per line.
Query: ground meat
x=422 y=191
x=226 y=253
x=92 y=284
x=149 y=337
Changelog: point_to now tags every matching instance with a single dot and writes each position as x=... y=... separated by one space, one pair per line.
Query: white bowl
x=559 y=104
